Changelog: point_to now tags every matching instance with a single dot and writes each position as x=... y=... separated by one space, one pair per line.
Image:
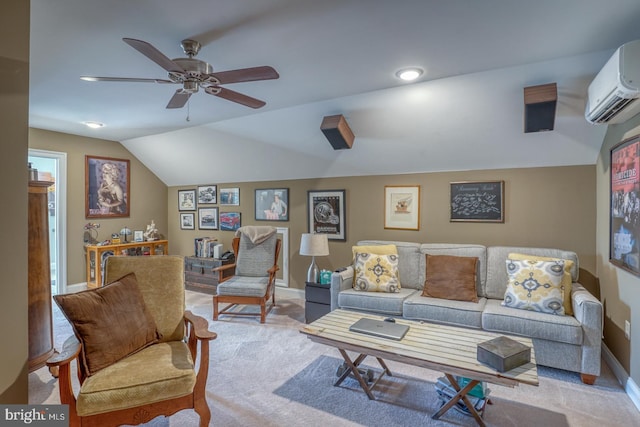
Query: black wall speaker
x=337 y=131
x=540 y=107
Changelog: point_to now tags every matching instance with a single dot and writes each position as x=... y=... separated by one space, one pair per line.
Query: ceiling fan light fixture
x=94 y=125
x=88 y=78
x=409 y=74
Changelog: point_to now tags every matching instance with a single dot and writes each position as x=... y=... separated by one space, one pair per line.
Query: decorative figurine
x=151 y=233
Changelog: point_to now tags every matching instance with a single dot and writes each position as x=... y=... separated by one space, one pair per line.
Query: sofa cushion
x=535 y=285
x=462 y=250
x=376 y=302
x=451 y=277
x=450 y=312
x=160 y=372
x=497 y=279
x=376 y=273
x=566 y=278
x=411 y=264
x=374 y=249
x=497 y=318
x=110 y=322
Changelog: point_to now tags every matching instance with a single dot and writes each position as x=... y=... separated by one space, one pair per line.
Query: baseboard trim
x=630 y=386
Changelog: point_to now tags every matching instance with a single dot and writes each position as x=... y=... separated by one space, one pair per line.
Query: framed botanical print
x=402 y=207
x=624 y=220
x=107 y=187
x=272 y=204
x=186 y=200
x=326 y=213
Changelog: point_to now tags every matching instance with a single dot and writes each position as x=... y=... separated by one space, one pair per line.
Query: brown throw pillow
x=111 y=322
x=451 y=277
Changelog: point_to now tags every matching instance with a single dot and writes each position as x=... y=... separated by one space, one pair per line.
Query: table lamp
x=314 y=245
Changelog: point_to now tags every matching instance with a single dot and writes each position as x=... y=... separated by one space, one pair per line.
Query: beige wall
x=148 y=194
x=14 y=120
x=620 y=290
x=548 y=207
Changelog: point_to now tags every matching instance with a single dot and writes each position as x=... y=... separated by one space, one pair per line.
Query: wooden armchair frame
x=196 y=331
x=234 y=300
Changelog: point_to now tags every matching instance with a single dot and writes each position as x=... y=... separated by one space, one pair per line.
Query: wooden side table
x=317 y=301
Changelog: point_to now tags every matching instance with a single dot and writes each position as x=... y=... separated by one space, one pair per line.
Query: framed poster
x=207 y=194
x=208 y=218
x=106 y=182
x=272 y=204
x=229 y=221
x=402 y=207
x=477 y=201
x=186 y=200
x=187 y=221
x=326 y=213
x=230 y=196
x=625 y=205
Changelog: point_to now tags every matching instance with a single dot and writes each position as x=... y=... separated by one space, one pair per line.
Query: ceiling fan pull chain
x=188 y=109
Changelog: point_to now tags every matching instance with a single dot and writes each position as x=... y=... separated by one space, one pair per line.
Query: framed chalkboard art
x=477 y=201
x=625 y=205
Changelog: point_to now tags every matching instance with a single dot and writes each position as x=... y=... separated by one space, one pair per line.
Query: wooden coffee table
x=448 y=349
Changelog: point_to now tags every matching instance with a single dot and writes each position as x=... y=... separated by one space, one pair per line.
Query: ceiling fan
x=194 y=74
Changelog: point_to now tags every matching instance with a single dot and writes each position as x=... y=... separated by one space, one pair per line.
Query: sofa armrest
x=588 y=311
x=340 y=280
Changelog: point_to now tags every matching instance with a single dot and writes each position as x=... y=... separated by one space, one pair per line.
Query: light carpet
x=272 y=375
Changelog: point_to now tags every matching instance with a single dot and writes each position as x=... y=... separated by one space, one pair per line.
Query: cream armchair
x=158 y=379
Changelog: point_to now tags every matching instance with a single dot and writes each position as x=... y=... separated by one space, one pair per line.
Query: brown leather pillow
x=451 y=277
x=111 y=322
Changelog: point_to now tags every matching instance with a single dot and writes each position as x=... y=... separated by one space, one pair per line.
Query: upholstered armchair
x=254 y=272
x=141 y=316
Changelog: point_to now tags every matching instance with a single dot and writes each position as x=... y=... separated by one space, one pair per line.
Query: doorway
x=55 y=164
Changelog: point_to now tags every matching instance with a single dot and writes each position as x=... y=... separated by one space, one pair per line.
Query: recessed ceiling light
x=94 y=125
x=409 y=74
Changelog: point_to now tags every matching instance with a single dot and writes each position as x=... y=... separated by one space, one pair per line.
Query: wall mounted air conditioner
x=614 y=95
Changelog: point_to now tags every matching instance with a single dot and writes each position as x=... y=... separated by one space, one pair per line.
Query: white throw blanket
x=256 y=233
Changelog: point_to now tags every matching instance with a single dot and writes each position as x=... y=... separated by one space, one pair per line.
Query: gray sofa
x=565 y=342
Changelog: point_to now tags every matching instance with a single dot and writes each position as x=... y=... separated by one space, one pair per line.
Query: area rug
x=272 y=375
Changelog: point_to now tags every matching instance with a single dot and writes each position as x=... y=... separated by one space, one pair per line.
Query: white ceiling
x=333 y=57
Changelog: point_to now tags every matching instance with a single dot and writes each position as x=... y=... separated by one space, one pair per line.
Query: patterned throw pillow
x=535 y=285
x=376 y=273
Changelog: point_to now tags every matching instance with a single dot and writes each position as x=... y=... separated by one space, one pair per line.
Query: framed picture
x=186 y=200
x=187 y=221
x=208 y=218
x=229 y=221
x=230 y=196
x=477 y=201
x=402 y=207
x=624 y=220
x=272 y=204
x=326 y=213
x=107 y=192
x=207 y=194
x=138 y=235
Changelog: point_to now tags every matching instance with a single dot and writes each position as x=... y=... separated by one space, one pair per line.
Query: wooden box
x=503 y=354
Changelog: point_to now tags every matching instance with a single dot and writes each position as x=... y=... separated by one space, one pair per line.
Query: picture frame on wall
x=230 y=196
x=186 y=200
x=476 y=201
x=272 y=204
x=624 y=216
x=402 y=207
x=326 y=213
x=187 y=221
x=208 y=218
x=229 y=221
x=107 y=187
x=207 y=194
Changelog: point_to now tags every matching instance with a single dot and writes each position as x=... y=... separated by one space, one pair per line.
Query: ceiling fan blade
x=154 y=54
x=246 y=75
x=123 y=79
x=234 y=96
x=178 y=99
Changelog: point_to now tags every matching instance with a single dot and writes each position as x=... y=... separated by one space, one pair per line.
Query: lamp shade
x=314 y=244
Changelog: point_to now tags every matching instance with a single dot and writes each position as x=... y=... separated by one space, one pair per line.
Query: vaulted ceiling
x=333 y=57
